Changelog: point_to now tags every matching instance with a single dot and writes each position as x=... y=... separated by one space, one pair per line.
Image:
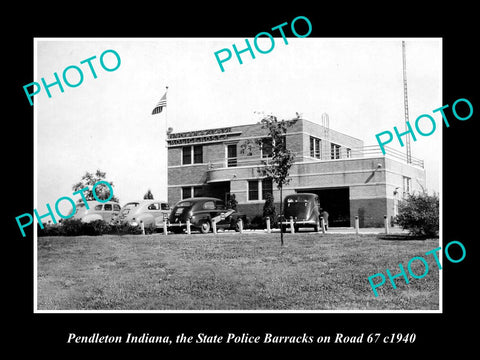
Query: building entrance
x=336 y=202
x=219 y=190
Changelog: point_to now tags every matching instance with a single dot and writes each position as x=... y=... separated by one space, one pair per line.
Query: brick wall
x=370 y=212
x=371 y=182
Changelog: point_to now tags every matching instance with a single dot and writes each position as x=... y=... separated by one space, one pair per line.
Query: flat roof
x=234 y=129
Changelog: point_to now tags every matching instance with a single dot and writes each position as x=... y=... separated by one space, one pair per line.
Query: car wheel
x=205 y=227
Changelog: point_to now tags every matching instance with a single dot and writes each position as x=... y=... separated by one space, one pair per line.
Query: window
x=154 y=206
x=231 y=155
x=253 y=190
x=192 y=152
x=108 y=207
x=259 y=187
x=407 y=185
x=116 y=207
x=126 y=209
x=184 y=204
x=98 y=207
x=266 y=148
x=186 y=155
x=334 y=151
x=198 y=154
x=191 y=191
x=197 y=191
x=186 y=192
x=220 y=205
x=315 y=147
x=78 y=207
x=209 y=205
x=349 y=153
x=266 y=187
x=165 y=206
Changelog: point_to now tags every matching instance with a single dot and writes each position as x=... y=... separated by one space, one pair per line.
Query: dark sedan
x=201 y=212
x=303 y=208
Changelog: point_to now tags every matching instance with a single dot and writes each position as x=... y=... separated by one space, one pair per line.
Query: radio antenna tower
x=405 y=100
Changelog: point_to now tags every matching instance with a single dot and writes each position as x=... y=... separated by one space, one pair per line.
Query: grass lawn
x=231 y=272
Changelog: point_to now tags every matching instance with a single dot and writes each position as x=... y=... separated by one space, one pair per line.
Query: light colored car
x=150 y=212
x=97 y=211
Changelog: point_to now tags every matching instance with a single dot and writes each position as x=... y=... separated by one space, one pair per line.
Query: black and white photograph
x=290 y=179
x=261 y=186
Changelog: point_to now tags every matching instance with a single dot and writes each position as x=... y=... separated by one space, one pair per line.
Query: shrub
x=232 y=202
x=419 y=214
x=72 y=227
x=75 y=227
x=150 y=229
x=50 y=230
x=96 y=227
x=269 y=210
x=124 y=228
x=257 y=222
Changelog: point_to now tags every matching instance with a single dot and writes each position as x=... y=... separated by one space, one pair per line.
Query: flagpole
x=166 y=117
x=158 y=109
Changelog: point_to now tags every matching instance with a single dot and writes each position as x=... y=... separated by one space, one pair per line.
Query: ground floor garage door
x=336 y=202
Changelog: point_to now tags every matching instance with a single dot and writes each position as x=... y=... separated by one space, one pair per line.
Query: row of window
x=257 y=190
x=194 y=154
x=316 y=149
x=107 y=207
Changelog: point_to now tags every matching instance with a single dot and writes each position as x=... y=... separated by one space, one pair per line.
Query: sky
x=106 y=123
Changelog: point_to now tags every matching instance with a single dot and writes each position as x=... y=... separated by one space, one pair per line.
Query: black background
x=435 y=333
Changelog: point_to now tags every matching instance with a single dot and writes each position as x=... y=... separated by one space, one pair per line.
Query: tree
x=419 y=213
x=277 y=167
x=269 y=208
x=89 y=180
x=148 y=195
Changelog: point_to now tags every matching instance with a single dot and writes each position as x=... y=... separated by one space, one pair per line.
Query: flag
x=163 y=102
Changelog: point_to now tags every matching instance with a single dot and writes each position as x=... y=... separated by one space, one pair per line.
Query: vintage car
x=150 y=212
x=96 y=211
x=303 y=208
x=201 y=211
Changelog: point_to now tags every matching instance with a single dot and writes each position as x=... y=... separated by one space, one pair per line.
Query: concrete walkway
x=334 y=230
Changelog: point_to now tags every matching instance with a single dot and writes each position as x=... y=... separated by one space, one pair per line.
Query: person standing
x=324 y=214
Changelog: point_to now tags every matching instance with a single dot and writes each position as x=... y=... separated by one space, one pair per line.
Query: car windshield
x=126 y=209
x=78 y=206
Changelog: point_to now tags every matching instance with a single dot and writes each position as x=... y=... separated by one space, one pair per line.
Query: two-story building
x=351 y=179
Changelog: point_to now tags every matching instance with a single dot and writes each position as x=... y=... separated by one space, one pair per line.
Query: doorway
x=336 y=201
